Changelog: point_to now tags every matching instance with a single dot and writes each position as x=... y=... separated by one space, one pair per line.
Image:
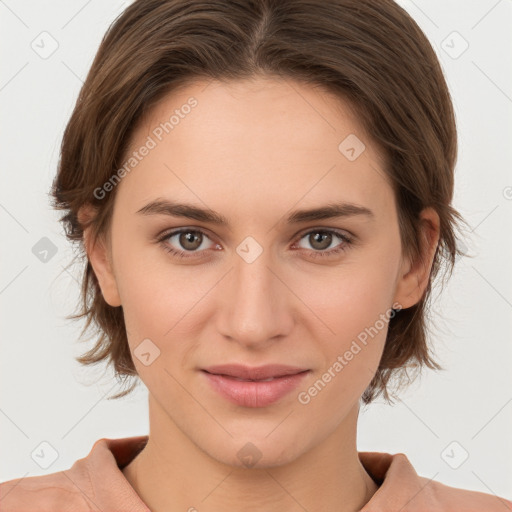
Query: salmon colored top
x=96 y=483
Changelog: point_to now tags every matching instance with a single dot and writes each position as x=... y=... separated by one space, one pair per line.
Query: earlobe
x=414 y=276
x=98 y=255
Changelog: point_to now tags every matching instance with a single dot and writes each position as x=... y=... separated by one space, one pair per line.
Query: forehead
x=235 y=144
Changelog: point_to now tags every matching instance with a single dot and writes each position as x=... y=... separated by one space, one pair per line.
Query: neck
x=173 y=473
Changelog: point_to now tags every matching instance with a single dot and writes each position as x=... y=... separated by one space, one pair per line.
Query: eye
x=189 y=239
x=321 y=239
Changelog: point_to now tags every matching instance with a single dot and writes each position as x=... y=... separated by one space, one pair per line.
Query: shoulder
x=45 y=493
x=453 y=498
x=94 y=482
x=401 y=488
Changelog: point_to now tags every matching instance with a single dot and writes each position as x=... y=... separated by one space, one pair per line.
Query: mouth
x=248 y=380
x=254 y=387
x=264 y=373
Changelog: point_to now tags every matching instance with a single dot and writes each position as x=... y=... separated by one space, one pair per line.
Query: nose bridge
x=254 y=309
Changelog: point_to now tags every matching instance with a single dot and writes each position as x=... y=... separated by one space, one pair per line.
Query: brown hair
x=370 y=53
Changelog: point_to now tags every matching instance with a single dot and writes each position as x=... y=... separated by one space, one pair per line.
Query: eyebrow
x=190 y=211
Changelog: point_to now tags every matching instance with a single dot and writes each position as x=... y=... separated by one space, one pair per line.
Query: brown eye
x=185 y=243
x=320 y=240
x=189 y=240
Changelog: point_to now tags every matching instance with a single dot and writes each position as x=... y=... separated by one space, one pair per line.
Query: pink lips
x=251 y=387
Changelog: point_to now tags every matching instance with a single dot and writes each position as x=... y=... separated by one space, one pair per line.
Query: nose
x=255 y=307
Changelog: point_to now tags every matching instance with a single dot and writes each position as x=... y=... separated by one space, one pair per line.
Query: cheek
x=152 y=290
x=352 y=313
x=343 y=302
x=163 y=303
x=358 y=316
x=157 y=304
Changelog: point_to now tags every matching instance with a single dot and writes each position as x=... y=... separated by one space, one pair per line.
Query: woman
x=263 y=191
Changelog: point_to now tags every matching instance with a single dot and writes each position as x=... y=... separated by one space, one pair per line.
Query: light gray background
x=46 y=396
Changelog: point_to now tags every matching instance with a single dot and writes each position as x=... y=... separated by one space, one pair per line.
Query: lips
x=259 y=373
x=254 y=387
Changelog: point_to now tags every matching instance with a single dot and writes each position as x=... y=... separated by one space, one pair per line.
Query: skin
x=254 y=151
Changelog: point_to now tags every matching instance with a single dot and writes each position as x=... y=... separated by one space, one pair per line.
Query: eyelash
x=345 y=245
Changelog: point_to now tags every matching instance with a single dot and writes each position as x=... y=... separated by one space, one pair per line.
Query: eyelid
x=164 y=235
x=337 y=231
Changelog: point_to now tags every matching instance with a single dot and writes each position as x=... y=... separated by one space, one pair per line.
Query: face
x=267 y=286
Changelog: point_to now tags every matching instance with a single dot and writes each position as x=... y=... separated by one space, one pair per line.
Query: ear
x=413 y=277
x=99 y=256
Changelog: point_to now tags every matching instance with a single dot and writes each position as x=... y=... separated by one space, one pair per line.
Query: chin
x=257 y=451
